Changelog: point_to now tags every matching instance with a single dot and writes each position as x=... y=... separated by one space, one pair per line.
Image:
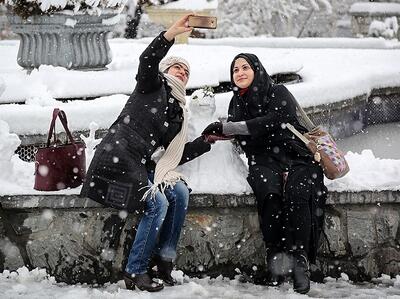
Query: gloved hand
x=213 y=138
x=214 y=128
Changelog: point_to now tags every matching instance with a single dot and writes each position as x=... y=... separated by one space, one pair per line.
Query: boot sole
x=130 y=285
x=302 y=291
x=151 y=290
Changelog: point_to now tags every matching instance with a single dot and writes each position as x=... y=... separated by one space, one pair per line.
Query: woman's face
x=243 y=74
x=179 y=71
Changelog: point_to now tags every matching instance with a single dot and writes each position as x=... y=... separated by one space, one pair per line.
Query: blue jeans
x=163 y=220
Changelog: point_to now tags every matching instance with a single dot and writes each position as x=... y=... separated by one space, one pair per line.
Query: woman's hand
x=178 y=27
x=214 y=128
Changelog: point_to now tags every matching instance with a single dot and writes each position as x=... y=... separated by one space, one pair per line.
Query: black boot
x=142 y=281
x=164 y=270
x=301 y=272
x=275 y=273
x=152 y=268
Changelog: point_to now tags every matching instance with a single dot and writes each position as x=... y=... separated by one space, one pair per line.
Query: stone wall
x=77 y=240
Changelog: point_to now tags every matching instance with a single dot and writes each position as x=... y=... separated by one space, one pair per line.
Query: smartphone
x=202 y=22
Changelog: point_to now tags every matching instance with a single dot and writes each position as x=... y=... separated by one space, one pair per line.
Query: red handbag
x=60 y=166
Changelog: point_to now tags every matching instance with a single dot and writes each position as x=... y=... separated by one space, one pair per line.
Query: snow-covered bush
x=26 y=8
x=243 y=18
x=386 y=29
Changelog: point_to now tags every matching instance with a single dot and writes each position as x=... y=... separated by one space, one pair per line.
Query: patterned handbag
x=332 y=159
x=328 y=155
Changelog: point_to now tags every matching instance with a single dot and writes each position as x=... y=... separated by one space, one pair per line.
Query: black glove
x=214 y=128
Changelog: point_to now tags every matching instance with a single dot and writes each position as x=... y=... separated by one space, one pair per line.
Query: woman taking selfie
x=123 y=174
x=287 y=182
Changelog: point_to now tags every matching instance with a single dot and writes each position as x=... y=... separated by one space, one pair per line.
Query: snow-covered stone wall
x=77 y=240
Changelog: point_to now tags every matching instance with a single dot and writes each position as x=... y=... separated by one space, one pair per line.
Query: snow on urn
x=71 y=34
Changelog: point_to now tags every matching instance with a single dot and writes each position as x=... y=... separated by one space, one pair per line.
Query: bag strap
x=310 y=125
x=63 y=118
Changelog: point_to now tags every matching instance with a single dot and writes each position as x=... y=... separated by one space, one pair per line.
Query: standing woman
x=287 y=182
x=122 y=173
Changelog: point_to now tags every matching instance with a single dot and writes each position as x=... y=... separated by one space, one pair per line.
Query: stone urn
x=77 y=42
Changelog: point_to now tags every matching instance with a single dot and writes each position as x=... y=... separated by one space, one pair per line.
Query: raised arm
x=148 y=78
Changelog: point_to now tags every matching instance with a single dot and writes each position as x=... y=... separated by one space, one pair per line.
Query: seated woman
x=287 y=182
x=123 y=175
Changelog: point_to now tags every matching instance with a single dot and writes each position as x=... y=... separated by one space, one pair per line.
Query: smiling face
x=242 y=73
x=179 y=71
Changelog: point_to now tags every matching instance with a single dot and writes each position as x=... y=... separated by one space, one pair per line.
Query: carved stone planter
x=72 y=41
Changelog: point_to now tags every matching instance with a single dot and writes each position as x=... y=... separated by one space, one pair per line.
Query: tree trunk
x=133 y=24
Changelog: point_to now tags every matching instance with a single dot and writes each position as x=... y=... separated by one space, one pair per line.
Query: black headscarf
x=257 y=97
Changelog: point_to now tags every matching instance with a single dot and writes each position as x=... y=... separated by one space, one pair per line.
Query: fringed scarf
x=165 y=175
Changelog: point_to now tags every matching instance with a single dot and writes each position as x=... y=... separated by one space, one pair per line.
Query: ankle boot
x=152 y=268
x=164 y=270
x=142 y=281
x=301 y=272
x=274 y=275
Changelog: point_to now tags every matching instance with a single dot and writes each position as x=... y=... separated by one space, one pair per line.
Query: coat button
x=166 y=124
x=171 y=100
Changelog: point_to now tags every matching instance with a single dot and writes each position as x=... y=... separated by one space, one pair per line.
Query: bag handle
x=309 y=124
x=63 y=118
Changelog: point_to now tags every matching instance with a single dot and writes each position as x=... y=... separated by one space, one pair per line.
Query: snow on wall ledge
x=67 y=201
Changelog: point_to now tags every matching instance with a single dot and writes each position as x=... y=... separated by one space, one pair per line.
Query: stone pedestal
x=72 y=41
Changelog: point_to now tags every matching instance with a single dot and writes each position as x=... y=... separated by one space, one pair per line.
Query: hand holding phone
x=202 y=22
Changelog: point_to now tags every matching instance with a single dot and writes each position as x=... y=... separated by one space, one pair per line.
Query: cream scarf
x=165 y=174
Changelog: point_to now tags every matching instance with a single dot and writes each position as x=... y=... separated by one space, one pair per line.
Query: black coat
x=118 y=173
x=273 y=149
x=266 y=108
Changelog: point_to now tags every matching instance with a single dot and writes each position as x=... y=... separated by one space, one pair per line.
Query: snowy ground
x=36 y=284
